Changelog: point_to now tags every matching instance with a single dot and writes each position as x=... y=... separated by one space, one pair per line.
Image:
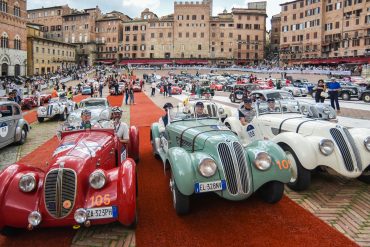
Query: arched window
x=17 y=43
x=17 y=70
x=17 y=9
x=4 y=6
x=4 y=40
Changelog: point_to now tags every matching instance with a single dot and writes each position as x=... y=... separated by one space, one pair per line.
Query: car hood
x=78 y=148
x=199 y=134
x=296 y=123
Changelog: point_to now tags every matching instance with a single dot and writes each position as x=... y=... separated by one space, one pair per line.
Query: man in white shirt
x=153 y=86
x=120 y=128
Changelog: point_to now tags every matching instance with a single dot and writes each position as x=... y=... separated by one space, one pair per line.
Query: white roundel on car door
x=4 y=129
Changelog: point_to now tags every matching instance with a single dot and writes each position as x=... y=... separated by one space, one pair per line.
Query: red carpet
x=115 y=100
x=31 y=115
x=214 y=221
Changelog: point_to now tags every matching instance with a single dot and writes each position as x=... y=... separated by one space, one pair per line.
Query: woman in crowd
x=320 y=92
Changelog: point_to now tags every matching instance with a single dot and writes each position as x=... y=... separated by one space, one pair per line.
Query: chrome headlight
x=367 y=143
x=207 y=167
x=326 y=111
x=43 y=109
x=80 y=215
x=55 y=109
x=326 y=147
x=221 y=111
x=97 y=179
x=262 y=161
x=34 y=218
x=27 y=183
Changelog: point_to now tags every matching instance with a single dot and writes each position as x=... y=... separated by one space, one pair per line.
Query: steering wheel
x=100 y=122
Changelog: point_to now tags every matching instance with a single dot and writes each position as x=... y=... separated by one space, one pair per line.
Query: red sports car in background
x=216 y=86
x=90 y=180
x=174 y=90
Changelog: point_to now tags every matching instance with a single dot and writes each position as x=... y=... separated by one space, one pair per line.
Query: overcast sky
x=133 y=8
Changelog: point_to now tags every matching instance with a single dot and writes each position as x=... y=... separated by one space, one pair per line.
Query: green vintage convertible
x=203 y=155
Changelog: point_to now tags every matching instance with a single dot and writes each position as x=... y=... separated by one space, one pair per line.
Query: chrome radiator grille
x=211 y=109
x=235 y=167
x=60 y=192
x=343 y=147
x=50 y=110
x=354 y=149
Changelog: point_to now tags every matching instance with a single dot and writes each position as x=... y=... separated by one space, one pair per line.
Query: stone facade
x=109 y=35
x=160 y=42
x=79 y=29
x=324 y=29
x=51 y=20
x=13 y=38
x=275 y=34
x=45 y=55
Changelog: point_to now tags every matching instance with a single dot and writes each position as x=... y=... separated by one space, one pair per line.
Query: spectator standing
x=92 y=89
x=153 y=88
x=320 y=92
x=127 y=92
x=115 y=84
x=131 y=93
x=169 y=88
x=101 y=86
x=334 y=88
x=70 y=93
x=165 y=89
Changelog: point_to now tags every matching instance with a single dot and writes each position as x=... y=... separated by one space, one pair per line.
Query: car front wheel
x=366 y=97
x=40 y=119
x=271 y=192
x=181 y=202
x=346 y=96
x=232 y=98
x=301 y=177
x=23 y=136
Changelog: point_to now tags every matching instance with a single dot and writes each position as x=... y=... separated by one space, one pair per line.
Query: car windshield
x=180 y=113
x=279 y=96
x=278 y=107
x=93 y=103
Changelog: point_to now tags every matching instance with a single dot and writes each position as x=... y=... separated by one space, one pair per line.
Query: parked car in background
x=86 y=90
x=205 y=87
x=241 y=91
x=204 y=156
x=296 y=91
x=99 y=107
x=364 y=95
x=348 y=90
x=58 y=107
x=91 y=180
x=13 y=127
x=308 y=143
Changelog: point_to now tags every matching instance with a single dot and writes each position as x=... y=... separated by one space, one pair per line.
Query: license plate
x=102 y=213
x=210 y=186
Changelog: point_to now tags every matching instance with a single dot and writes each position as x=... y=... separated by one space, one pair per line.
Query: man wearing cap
x=334 y=88
x=246 y=112
x=120 y=128
x=165 y=120
x=85 y=119
x=271 y=106
x=199 y=110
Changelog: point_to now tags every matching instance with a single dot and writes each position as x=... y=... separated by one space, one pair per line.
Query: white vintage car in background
x=58 y=107
x=99 y=107
x=308 y=142
x=296 y=91
x=210 y=107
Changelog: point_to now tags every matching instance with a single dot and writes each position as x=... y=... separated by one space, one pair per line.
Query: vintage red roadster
x=90 y=180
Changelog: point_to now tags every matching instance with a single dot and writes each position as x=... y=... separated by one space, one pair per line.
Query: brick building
x=275 y=34
x=326 y=31
x=109 y=36
x=79 y=29
x=51 y=20
x=46 y=55
x=13 y=38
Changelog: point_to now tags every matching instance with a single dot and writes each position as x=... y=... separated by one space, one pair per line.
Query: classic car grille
x=344 y=150
x=50 y=110
x=60 y=187
x=235 y=174
x=211 y=109
x=354 y=148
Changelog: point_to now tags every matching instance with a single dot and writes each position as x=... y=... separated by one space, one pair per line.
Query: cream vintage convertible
x=309 y=143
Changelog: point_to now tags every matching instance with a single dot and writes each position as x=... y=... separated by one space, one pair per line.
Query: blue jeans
x=126 y=99
x=132 y=98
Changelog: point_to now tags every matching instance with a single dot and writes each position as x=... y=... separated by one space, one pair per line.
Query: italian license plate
x=102 y=213
x=210 y=186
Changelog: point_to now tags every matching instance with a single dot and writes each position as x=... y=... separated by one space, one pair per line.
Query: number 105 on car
x=210 y=186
